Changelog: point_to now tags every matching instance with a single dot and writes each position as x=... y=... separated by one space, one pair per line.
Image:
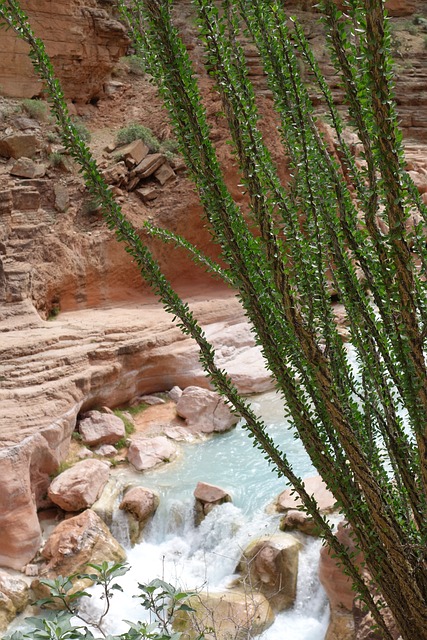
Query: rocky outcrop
x=224 y=615
x=205 y=411
x=270 y=565
x=82 y=39
x=49 y=370
x=79 y=487
x=25 y=469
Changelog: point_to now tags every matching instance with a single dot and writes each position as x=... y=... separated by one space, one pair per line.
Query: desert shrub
x=82 y=129
x=135 y=131
x=36 y=109
x=129 y=426
x=135 y=65
x=56 y=159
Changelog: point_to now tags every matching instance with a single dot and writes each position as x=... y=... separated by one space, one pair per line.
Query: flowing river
x=206 y=556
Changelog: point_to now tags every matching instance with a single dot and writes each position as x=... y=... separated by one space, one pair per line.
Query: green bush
x=65 y=620
x=53 y=137
x=129 y=426
x=56 y=159
x=36 y=109
x=82 y=129
x=135 y=131
x=135 y=65
x=170 y=148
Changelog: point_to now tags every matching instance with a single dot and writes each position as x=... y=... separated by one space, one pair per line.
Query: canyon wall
x=83 y=40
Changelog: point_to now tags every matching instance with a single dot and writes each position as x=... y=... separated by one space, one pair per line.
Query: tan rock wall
x=82 y=39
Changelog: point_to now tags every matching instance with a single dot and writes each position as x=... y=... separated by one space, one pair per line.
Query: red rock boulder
x=205 y=411
x=98 y=428
x=79 y=487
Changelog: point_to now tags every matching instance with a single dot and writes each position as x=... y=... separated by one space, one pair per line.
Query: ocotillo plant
x=361 y=419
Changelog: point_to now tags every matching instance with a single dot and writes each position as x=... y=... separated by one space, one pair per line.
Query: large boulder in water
x=79 y=487
x=140 y=504
x=73 y=544
x=315 y=486
x=270 y=565
x=207 y=497
x=224 y=615
x=205 y=411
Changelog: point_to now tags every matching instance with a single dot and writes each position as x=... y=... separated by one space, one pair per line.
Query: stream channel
x=205 y=557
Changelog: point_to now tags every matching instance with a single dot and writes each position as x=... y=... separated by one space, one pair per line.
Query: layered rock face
x=83 y=40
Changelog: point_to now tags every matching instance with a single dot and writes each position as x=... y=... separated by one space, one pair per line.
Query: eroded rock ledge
x=51 y=370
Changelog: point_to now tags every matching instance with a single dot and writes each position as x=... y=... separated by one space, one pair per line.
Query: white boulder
x=205 y=411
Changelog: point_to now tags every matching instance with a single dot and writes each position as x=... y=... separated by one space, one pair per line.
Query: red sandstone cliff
x=83 y=40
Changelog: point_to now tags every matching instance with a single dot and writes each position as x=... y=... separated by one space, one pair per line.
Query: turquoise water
x=206 y=557
x=231 y=461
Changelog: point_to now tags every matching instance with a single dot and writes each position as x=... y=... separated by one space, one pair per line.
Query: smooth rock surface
x=101 y=428
x=24 y=473
x=205 y=411
x=79 y=487
x=146 y=453
x=314 y=486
